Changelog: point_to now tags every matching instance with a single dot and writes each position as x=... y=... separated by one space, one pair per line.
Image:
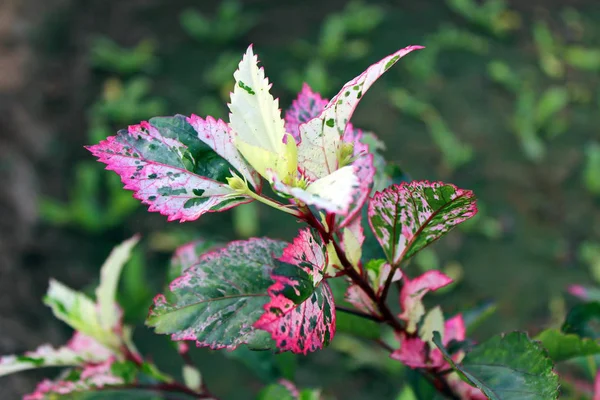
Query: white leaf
x=106 y=292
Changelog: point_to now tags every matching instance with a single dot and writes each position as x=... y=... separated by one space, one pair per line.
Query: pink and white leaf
x=417 y=353
x=412 y=293
x=80 y=350
x=92 y=377
x=219 y=137
x=359 y=299
x=157 y=169
x=319 y=147
x=332 y=193
x=306 y=106
x=364 y=169
x=407 y=217
x=300 y=315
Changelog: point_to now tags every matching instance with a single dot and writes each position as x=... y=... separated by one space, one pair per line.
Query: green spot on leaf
x=246 y=88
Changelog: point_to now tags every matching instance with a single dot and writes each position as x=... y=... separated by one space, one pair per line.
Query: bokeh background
x=504 y=100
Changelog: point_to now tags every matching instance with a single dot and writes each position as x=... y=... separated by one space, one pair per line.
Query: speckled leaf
x=188 y=255
x=319 y=148
x=218 y=136
x=170 y=168
x=364 y=169
x=217 y=301
x=300 y=315
x=407 y=217
x=507 y=367
x=306 y=106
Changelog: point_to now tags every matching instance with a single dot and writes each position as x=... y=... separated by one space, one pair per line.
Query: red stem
x=436 y=379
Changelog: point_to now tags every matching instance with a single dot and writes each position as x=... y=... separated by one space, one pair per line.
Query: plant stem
x=352 y=273
x=274 y=204
x=436 y=379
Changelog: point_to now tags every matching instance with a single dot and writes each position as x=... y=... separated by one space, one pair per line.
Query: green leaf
x=584 y=320
x=192 y=377
x=507 y=367
x=217 y=301
x=553 y=100
x=106 y=292
x=563 y=346
x=276 y=392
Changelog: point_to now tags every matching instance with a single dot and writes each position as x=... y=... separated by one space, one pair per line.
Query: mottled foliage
x=407 y=217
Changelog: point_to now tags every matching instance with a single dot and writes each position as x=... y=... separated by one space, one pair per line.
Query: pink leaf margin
x=286 y=321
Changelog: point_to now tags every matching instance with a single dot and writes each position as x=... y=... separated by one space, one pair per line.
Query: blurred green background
x=504 y=100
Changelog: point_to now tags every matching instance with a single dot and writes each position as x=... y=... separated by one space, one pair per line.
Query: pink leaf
x=359 y=299
x=416 y=353
x=300 y=315
x=88 y=348
x=161 y=171
x=307 y=106
x=92 y=377
x=412 y=352
x=412 y=293
x=597 y=387
x=454 y=329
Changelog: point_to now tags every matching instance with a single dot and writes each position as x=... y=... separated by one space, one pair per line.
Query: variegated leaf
x=217 y=301
x=256 y=122
x=106 y=292
x=218 y=136
x=319 y=148
x=412 y=293
x=362 y=160
x=188 y=255
x=308 y=105
x=91 y=377
x=300 y=315
x=332 y=193
x=170 y=168
x=415 y=352
x=81 y=349
x=79 y=312
x=377 y=272
x=407 y=217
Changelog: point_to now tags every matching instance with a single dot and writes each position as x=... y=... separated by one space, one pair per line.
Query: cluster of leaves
x=268 y=294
